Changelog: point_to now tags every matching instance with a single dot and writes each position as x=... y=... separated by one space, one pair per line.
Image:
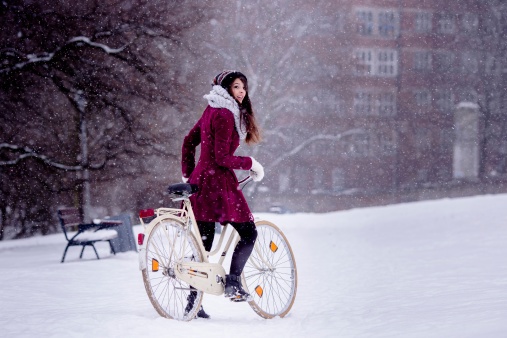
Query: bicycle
x=172 y=259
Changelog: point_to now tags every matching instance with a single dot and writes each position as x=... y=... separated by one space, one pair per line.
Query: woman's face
x=238 y=90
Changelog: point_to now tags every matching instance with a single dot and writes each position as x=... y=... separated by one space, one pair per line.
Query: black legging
x=247 y=233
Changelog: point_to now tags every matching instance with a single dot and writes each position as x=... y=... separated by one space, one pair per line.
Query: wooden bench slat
x=65 y=212
x=71 y=219
x=69 y=225
x=109 y=222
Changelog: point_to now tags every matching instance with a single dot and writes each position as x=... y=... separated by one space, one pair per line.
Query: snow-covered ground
x=426 y=269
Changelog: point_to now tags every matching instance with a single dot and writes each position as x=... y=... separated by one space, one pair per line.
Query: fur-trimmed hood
x=218 y=97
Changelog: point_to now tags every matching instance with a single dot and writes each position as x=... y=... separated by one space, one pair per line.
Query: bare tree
x=273 y=42
x=80 y=87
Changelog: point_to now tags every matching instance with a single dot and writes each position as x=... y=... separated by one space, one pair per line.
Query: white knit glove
x=184 y=179
x=256 y=171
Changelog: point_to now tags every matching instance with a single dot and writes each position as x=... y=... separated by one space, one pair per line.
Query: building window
x=364 y=22
x=469 y=63
x=422 y=98
x=444 y=61
x=330 y=23
x=387 y=104
x=446 y=140
x=340 y=21
x=422 y=61
x=446 y=23
x=468 y=95
x=387 y=62
x=377 y=22
x=358 y=145
x=496 y=140
x=470 y=22
x=387 y=143
x=376 y=62
x=284 y=181
x=388 y=24
x=338 y=178
x=493 y=65
x=423 y=22
x=443 y=173
x=322 y=148
x=490 y=25
x=422 y=139
x=318 y=179
x=363 y=103
x=494 y=103
x=445 y=100
x=364 y=61
x=373 y=102
x=329 y=103
x=300 y=182
x=422 y=175
x=502 y=149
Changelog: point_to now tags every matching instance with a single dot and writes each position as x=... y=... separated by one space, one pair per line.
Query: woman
x=227 y=119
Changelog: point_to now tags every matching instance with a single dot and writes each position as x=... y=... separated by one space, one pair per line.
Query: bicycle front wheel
x=167 y=244
x=270 y=274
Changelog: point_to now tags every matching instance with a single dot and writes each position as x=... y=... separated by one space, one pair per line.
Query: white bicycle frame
x=204 y=276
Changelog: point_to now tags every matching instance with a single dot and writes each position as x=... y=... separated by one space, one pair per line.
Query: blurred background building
x=395 y=78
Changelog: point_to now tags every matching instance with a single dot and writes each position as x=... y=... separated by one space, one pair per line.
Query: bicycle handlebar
x=244 y=181
x=248 y=178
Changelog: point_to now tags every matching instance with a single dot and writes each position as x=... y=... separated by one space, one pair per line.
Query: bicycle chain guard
x=207 y=277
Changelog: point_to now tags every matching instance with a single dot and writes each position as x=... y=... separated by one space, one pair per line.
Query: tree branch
x=30 y=153
x=320 y=137
x=46 y=57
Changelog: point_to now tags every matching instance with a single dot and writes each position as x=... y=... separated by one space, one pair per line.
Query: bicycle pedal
x=239 y=299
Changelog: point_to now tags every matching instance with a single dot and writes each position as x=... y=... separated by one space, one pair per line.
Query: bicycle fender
x=147 y=232
x=142 y=258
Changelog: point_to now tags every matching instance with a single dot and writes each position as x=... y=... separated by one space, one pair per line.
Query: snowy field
x=426 y=269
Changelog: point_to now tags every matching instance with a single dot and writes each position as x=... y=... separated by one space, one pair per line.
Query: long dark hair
x=247 y=116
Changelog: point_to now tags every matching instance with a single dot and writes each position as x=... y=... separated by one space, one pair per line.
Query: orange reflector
x=273 y=246
x=258 y=290
x=154 y=265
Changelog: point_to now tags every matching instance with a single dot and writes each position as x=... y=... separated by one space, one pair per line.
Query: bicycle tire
x=166 y=244
x=273 y=289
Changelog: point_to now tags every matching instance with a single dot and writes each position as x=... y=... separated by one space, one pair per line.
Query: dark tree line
x=89 y=92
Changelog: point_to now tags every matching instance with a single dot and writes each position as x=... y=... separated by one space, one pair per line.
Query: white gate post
x=466 y=156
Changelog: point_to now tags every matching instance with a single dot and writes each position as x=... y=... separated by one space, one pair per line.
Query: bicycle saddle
x=182 y=189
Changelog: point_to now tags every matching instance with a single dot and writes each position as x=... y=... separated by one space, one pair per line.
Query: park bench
x=87 y=233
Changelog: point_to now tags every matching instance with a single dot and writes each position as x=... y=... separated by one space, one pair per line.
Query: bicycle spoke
x=271 y=266
x=169 y=243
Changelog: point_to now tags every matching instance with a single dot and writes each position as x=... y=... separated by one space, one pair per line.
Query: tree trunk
x=83 y=140
x=3 y=222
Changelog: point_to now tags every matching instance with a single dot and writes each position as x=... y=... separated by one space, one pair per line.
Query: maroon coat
x=218 y=198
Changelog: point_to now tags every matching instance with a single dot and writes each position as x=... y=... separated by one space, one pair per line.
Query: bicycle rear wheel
x=270 y=274
x=168 y=243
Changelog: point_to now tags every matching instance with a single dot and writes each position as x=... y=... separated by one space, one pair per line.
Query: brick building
x=391 y=76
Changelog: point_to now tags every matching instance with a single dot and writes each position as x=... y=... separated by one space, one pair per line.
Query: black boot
x=202 y=314
x=234 y=289
x=190 y=305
